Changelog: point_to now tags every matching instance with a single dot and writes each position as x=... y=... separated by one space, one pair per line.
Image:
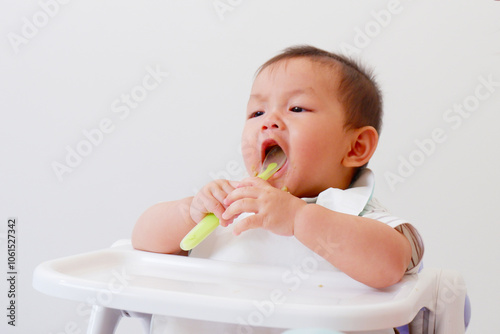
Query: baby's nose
x=272 y=123
x=270 y=126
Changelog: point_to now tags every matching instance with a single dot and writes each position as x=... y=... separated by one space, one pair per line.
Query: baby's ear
x=363 y=144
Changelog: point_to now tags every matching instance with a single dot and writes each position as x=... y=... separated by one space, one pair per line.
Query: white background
x=61 y=79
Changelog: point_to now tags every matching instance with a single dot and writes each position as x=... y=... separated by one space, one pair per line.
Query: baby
x=324 y=111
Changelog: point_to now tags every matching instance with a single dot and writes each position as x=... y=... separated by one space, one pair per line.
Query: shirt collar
x=351 y=200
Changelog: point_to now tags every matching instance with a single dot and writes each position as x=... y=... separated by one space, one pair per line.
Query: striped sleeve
x=374 y=210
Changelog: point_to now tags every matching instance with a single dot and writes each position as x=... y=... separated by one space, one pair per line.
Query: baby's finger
x=224 y=188
x=249 y=223
x=252 y=182
x=203 y=205
x=240 y=193
x=226 y=222
x=240 y=206
x=233 y=184
x=227 y=186
x=218 y=192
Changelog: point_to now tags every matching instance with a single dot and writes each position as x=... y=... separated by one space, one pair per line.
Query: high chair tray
x=287 y=297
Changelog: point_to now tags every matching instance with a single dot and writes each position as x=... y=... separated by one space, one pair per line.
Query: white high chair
x=123 y=282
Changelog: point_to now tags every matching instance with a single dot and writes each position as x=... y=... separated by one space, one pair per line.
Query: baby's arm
x=161 y=228
x=365 y=249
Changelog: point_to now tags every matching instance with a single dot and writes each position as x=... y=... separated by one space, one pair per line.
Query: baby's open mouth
x=273 y=158
x=267 y=146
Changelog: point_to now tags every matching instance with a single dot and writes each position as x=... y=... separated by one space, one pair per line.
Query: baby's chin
x=307 y=192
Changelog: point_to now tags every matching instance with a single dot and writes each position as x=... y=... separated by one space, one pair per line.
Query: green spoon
x=275 y=159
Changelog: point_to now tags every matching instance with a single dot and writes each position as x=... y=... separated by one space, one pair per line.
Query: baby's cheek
x=251 y=170
x=251 y=161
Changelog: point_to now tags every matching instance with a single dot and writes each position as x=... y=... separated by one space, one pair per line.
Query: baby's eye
x=256 y=114
x=297 y=109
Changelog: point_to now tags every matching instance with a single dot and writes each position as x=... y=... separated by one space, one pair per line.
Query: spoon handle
x=208 y=224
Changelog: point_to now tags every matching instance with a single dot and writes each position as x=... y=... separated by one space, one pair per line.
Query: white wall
x=67 y=74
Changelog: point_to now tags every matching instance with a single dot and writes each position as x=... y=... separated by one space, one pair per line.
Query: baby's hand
x=274 y=209
x=210 y=199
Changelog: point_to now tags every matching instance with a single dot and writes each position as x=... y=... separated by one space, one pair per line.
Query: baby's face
x=294 y=104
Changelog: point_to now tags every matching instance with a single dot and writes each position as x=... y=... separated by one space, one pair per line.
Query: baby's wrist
x=300 y=216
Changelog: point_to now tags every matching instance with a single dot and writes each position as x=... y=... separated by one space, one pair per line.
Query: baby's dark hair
x=358 y=91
